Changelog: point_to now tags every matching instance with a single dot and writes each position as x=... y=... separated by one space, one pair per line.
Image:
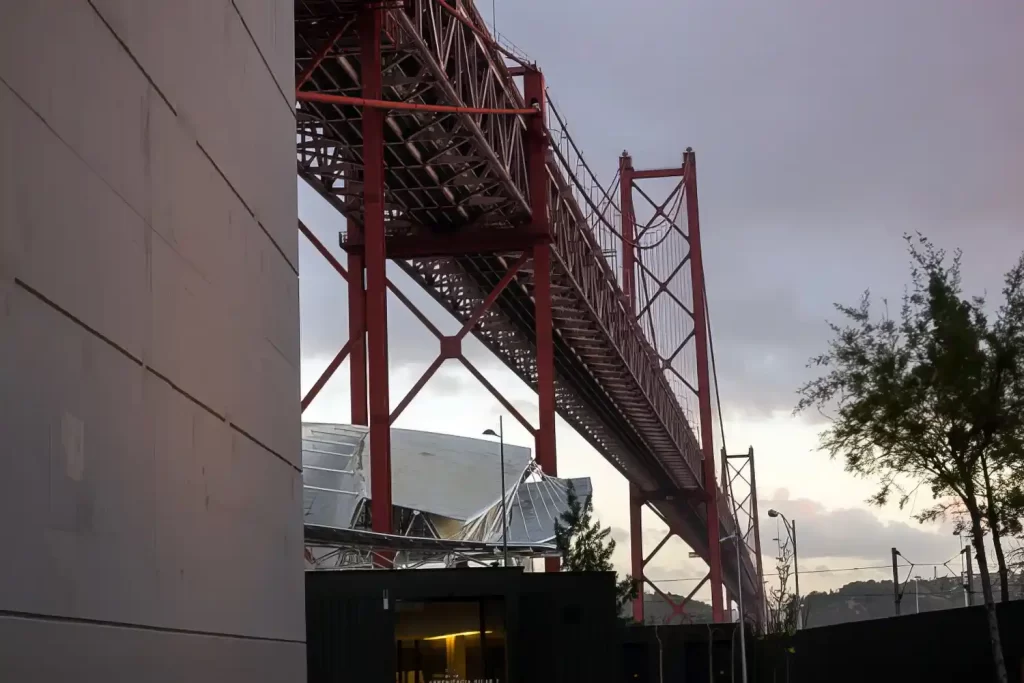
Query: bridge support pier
x=707 y=428
x=376 y=275
x=540 y=228
x=636 y=501
x=328 y=156
x=654 y=285
x=636 y=549
x=357 y=332
x=741 y=489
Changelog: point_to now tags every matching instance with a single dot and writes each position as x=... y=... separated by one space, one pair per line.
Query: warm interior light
x=456 y=635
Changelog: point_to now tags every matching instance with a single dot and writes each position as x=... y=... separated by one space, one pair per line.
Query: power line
x=818 y=571
x=944 y=594
x=714 y=367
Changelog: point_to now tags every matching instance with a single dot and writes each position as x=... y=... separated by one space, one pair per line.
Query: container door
x=351 y=639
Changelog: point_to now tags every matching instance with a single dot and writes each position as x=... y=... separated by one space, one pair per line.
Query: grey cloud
x=528 y=409
x=852 y=533
x=446 y=383
x=823 y=132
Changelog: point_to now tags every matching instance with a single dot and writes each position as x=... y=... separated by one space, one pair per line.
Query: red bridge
x=445 y=154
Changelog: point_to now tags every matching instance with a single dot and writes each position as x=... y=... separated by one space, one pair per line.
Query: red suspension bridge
x=444 y=153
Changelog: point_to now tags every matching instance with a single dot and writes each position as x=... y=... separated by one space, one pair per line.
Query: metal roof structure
x=435 y=478
x=362 y=538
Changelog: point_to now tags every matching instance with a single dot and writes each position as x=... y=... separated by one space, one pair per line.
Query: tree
x=782 y=605
x=934 y=398
x=586 y=546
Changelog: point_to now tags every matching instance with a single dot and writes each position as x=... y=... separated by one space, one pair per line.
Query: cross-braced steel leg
x=339 y=358
x=741 y=487
x=636 y=502
x=357 y=333
x=451 y=347
x=376 y=275
x=636 y=550
x=537 y=142
x=667 y=287
x=704 y=388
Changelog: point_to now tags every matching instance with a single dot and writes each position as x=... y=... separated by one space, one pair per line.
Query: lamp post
x=965 y=559
x=504 y=511
x=742 y=617
x=791 y=530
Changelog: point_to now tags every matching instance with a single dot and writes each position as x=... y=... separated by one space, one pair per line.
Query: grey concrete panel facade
x=150 y=484
x=35 y=650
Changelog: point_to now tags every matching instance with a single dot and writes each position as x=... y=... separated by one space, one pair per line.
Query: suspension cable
x=714 y=368
x=485 y=36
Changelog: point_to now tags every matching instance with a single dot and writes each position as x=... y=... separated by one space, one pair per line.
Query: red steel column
x=537 y=179
x=704 y=386
x=636 y=503
x=628 y=230
x=729 y=500
x=545 y=439
x=376 y=275
x=357 y=330
x=636 y=549
x=759 y=588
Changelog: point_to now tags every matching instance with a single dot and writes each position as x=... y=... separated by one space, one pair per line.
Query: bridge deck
x=460 y=179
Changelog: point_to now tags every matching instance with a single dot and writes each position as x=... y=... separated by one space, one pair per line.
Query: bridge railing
x=598 y=203
x=579 y=247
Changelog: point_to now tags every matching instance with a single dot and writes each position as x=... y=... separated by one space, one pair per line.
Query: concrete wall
x=150 y=493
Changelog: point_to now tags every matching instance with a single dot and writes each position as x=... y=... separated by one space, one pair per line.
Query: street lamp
x=791 y=530
x=917 y=595
x=504 y=511
x=743 y=619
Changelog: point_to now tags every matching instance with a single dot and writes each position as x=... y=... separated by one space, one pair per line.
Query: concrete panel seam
x=127 y=354
x=283 y=355
x=135 y=61
x=297 y=468
x=141 y=627
x=263 y=58
x=248 y=208
x=74 y=151
x=70 y=316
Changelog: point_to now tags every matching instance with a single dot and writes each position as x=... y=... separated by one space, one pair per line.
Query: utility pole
x=504 y=508
x=895 y=581
x=969 y=586
x=796 y=575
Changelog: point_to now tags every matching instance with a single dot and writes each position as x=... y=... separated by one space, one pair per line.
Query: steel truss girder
x=579 y=264
x=447 y=172
x=476 y=162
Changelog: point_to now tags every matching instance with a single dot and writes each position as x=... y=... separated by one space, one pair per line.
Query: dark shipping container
x=497 y=626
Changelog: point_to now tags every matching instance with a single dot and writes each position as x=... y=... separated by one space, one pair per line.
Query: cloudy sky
x=824 y=130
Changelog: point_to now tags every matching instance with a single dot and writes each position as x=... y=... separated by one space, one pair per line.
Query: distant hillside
x=857 y=601
x=863 y=600
x=657 y=611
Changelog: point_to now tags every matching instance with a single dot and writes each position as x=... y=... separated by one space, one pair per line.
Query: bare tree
x=782 y=604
